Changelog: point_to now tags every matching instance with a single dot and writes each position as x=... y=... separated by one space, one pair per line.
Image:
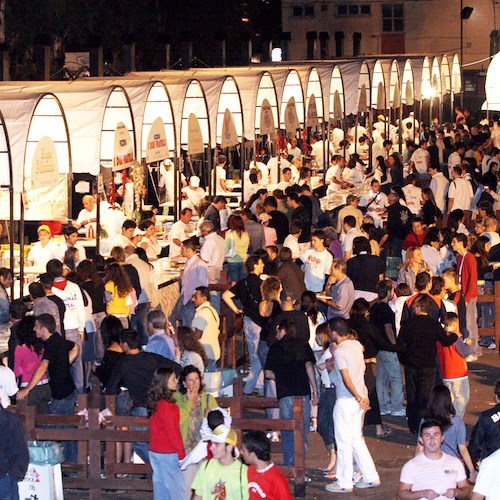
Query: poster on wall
x=157 y=148
x=229 y=136
x=195 y=139
x=44 y=169
x=48 y=203
x=267 y=126
x=291 y=119
x=123 y=154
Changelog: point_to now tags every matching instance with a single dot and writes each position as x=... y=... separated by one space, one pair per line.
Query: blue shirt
x=160 y=343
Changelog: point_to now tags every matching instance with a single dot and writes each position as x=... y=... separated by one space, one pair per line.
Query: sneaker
x=492 y=346
x=307 y=479
x=385 y=412
x=335 y=488
x=275 y=437
x=357 y=476
x=471 y=358
x=362 y=485
x=399 y=413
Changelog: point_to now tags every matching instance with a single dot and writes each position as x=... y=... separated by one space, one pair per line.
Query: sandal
x=387 y=432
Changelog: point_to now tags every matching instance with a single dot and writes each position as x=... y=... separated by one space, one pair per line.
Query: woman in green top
x=194 y=404
x=237 y=243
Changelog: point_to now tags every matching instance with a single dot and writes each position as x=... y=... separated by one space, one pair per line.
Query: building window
x=392 y=17
x=324 y=52
x=308 y=10
x=356 y=44
x=339 y=44
x=357 y=9
x=297 y=11
x=311 y=44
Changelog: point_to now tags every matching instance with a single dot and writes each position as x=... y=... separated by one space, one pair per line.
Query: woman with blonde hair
x=237 y=243
x=413 y=265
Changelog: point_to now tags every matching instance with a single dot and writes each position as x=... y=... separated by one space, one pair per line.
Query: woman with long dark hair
x=165 y=441
x=118 y=293
x=440 y=407
x=237 y=243
x=430 y=211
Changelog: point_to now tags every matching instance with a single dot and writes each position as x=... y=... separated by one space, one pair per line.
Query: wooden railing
x=97 y=440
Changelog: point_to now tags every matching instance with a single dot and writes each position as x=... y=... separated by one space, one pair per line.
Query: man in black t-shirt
x=290 y=362
x=301 y=214
x=58 y=354
x=247 y=291
x=279 y=220
x=135 y=371
x=398 y=224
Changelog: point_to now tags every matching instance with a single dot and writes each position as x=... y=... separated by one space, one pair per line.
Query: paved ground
x=389 y=453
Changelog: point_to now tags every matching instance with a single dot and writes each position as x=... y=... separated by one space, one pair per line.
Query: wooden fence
x=98 y=470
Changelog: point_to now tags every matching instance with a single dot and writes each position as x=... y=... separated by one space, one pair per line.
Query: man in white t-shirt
x=88 y=214
x=350 y=232
x=413 y=194
x=455 y=159
x=439 y=187
x=8 y=385
x=194 y=193
x=286 y=179
x=433 y=474
x=179 y=232
x=487 y=478
x=167 y=178
x=420 y=160
x=375 y=202
x=317 y=152
x=349 y=411
x=333 y=177
x=460 y=193
x=219 y=176
x=293 y=149
x=336 y=137
x=317 y=263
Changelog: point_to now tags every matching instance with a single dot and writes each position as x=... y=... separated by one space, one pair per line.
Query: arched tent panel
x=158 y=105
x=229 y=98
x=5 y=159
x=196 y=104
x=117 y=110
x=436 y=78
x=378 y=87
x=336 y=96
x=292 y=88
x=314 y=91
x=426 y=88
x=364 y=90
x=394 y=86
x=492 y=87
x=408 y=84
x=266 y=91
x=456 y=75
x=445 y=76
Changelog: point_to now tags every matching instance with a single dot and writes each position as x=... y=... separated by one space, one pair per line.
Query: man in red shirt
x=467 y=275
x=417 y=235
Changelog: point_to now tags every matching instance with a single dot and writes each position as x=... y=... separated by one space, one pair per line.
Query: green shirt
x=214 y=481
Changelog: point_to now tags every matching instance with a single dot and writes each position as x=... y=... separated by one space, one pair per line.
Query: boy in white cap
x=44 y=249
x=193 y=195
x=224 y=475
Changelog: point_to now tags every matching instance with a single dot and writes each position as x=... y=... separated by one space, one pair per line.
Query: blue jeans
x=235 y=271
x=141 y=448
x=269 y=385
x=389 y=374
x=168 y=482
x=139 y=319
x=66 y=406
x=252 y=336
x=77 y=366
x=183 y=312
x=326 y=428
x=8 y=488
x=286 y=411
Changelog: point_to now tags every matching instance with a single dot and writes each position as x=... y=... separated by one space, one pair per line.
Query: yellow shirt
x=117 y=305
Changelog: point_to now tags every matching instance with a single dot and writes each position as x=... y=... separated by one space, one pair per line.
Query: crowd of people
x=365 y=311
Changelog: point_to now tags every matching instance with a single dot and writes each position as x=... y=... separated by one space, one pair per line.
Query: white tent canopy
x=492 y=85
x=336 y=96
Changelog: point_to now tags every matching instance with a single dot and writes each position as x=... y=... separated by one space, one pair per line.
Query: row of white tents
x=49 y=130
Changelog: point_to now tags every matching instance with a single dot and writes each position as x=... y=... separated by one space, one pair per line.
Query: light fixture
x=276 y=54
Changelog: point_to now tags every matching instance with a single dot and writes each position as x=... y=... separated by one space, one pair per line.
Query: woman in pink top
x=27 y=357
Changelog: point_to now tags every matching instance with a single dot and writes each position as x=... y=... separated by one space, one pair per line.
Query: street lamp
x=465 y=13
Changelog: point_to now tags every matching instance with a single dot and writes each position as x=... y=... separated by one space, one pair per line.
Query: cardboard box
x=42 y=482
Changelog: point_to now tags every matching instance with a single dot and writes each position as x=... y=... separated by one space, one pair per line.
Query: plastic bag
x=46 y=452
